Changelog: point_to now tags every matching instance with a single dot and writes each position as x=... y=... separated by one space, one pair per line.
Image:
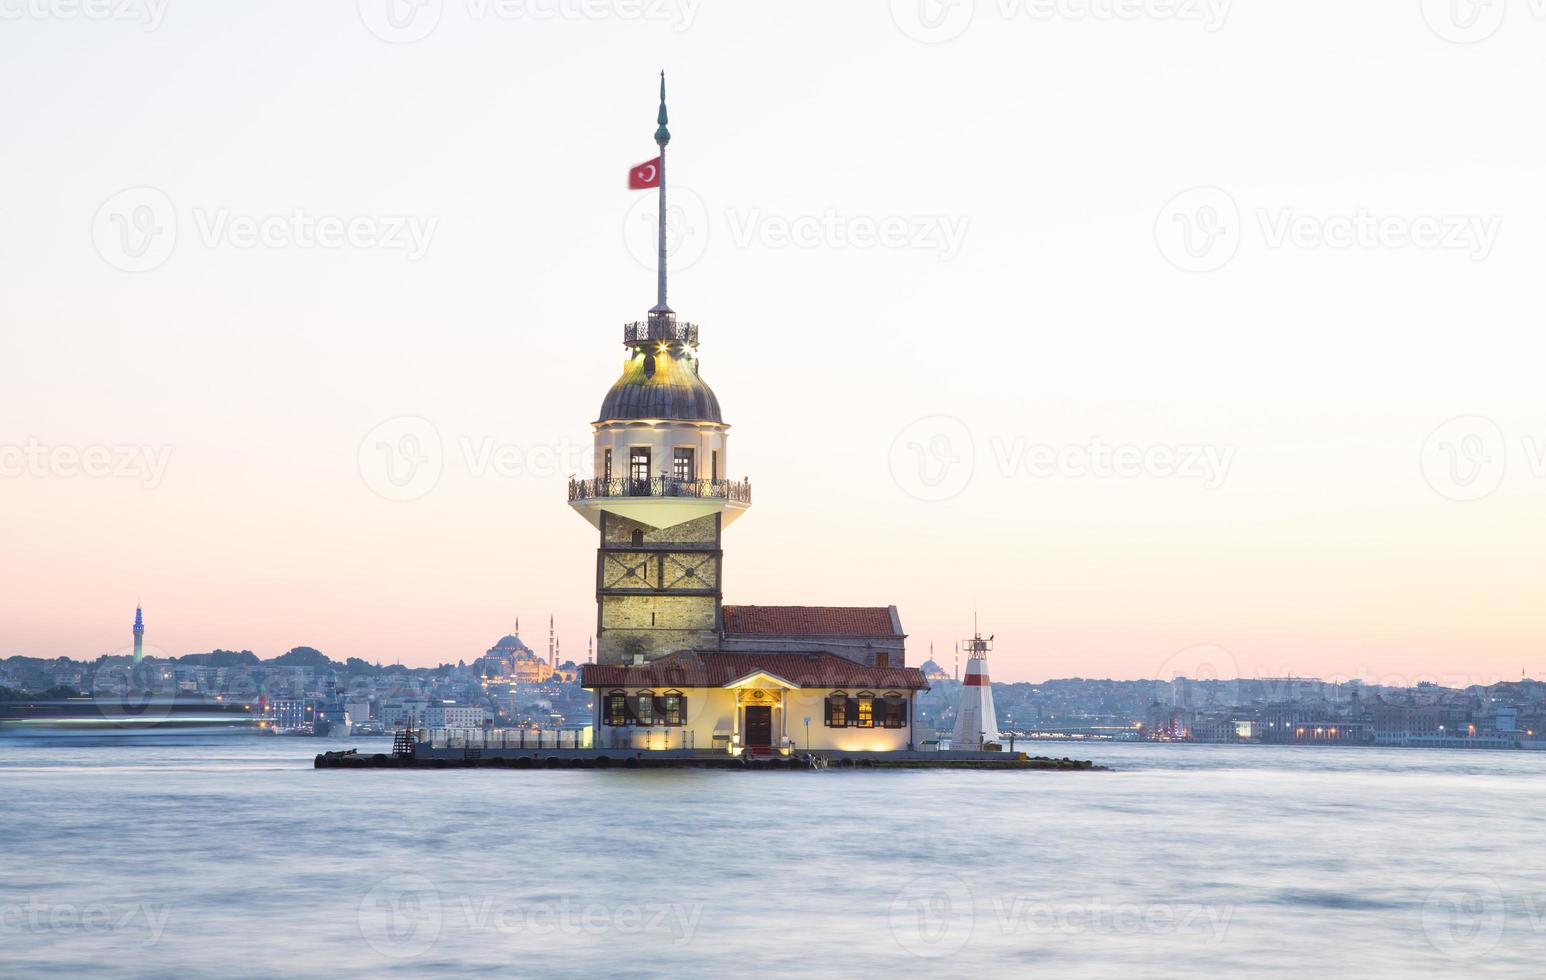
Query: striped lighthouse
x=976 y=722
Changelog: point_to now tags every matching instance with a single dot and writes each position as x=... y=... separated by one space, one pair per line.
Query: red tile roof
x=689 y=669
x=809 y=621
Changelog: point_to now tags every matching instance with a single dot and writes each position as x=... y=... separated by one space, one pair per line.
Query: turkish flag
x=644 y=175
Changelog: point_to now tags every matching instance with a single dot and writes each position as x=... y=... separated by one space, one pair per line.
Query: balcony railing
x=662 y=486
x=660 y=328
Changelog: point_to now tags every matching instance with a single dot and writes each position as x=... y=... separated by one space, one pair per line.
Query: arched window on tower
x=637 y=538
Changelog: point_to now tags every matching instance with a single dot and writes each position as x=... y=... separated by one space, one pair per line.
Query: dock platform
x=444 y=758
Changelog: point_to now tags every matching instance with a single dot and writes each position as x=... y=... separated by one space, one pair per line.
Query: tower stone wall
x=657 y=589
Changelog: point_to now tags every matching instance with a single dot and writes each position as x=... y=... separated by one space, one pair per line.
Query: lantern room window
x=682 y=467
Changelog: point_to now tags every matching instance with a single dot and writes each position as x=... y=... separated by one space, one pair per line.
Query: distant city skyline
x=1037 y=320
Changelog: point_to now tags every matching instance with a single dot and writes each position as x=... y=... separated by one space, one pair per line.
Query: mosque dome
x=661 y=384
x=510 y=644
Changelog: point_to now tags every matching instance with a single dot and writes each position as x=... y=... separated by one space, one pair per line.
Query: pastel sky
x=1207 y=339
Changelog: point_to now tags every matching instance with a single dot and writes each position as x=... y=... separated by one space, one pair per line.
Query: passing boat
x=109 y=716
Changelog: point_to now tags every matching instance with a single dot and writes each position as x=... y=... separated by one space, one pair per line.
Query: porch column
x=912 y=716
x=595 y=718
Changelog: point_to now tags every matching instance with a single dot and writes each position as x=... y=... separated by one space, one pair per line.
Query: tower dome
x=661 y=382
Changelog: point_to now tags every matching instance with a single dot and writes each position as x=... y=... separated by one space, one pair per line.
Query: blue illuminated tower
x=139 y=634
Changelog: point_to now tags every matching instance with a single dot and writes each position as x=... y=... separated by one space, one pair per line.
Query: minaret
x=659 y=495
x=976 y=721
x=552 y=644
x=139 y=634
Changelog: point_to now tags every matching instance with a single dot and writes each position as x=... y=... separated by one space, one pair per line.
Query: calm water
x=236 y=858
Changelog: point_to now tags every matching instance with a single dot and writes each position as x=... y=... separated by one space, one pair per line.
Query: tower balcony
x=739 y=492
x=667 y=329
x=660 y=501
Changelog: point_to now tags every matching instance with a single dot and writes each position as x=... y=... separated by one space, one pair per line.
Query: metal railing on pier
x=506 y=738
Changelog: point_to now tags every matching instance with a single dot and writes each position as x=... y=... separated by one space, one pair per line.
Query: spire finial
x=662 y=134
x=662 y=137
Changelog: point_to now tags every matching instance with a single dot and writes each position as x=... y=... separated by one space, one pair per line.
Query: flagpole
x=662 y=137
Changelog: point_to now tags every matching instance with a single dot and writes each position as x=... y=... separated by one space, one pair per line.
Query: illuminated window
x=606 y=465
x=617 y=709
x=682 y=466
x=837 y=710
x=866 y=711
x=671 y=708
x=639 y=467
x=646 y=709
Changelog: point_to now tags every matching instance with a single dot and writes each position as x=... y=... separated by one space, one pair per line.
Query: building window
x=673 y=708
x=645 y=712
x=895 y=710
x=882 y=659
x=866 y=711
x=837 y=710
x=606 y=465
x=639 y=466
x=714 y=464
x=636 y=539
x=617 y=709
x=682 y=466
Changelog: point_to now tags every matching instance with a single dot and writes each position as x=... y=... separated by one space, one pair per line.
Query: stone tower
x=660 y=497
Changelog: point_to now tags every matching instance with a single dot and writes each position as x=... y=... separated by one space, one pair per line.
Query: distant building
x=449 y=715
